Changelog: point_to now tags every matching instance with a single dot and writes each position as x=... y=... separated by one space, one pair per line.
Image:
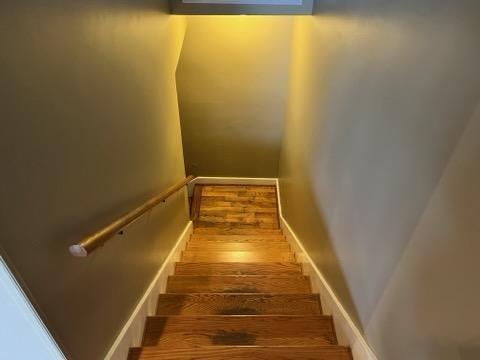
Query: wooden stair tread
x=207 y=192
x=215 y=202
x=238 y=225
x=219 y=209
x=232 y=230
x=263 y=188
x=238 y=238
x=240 y=217
x=238 y=292
x=330 y=352
x=238 y=256
x=248 y=197
x=282 y=246
x=238 y=268
x=238 y=330
x=238 y=304
x=238 y=284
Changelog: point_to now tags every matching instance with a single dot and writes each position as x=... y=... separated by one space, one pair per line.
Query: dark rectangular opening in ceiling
x=241 y=7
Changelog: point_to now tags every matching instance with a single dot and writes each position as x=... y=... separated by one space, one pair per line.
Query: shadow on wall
x=434 y=285
x=303 y=210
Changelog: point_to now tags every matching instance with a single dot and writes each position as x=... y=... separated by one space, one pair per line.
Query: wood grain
x=244 y=353
x=228 y=188
x=281 y=246
x=196 y=201
x=238 y=304
x=226 y=268
x=233 y=230
x=258 y=225
x=242 y=207
x=238 y=238
x=238 y=292
x=238 y=256
x=238 y=284
x=240 y=330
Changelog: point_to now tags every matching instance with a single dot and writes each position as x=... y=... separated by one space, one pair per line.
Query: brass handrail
x=90 y=243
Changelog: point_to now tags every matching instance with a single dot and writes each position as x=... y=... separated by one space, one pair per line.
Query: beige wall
x=89 y=128
x=380 y=94
x=232 y=84
x=435 y=283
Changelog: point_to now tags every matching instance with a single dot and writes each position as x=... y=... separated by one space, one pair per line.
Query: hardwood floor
x=238 y=292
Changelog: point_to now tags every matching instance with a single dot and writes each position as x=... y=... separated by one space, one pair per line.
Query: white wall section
x=22 y=333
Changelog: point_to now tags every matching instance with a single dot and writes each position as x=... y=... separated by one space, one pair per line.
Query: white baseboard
x=348 y=333
x=229 y=181
x=132 y=332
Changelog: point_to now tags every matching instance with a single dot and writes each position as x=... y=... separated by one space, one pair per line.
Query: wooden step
x=261 y=188
x=240 y=217
x=237 y=225
x=238 y=304
x=238 y=256
x=240 y=330
x=243 y=353
x=250 y=198
x=238 y=238
x=281 y=246
x=238 y=268
x=232 y=230
x=215 y=202
x=231 y=190
x=237 y=209
x=238 y=284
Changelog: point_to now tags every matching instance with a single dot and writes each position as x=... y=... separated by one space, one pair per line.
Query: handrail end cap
x=78 y=250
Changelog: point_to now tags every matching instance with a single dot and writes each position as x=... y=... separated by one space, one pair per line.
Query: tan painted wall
x=435 y=283
x=380 y=95
x=232 y=84
x=89 y=128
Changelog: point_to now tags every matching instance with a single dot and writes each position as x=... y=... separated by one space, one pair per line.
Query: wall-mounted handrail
x=89 y=243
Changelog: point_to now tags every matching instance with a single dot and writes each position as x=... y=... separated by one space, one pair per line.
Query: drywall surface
x=429 y=309
x=232 y=86
x=380 y=94
x=20 y=322
x=90 y=128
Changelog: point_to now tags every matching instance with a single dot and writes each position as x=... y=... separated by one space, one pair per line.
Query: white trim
x=348 y=333
x=229 y=181
x=132 y=332
x=21 y=321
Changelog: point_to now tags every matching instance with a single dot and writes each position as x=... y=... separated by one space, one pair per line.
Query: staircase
x=238 y=292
